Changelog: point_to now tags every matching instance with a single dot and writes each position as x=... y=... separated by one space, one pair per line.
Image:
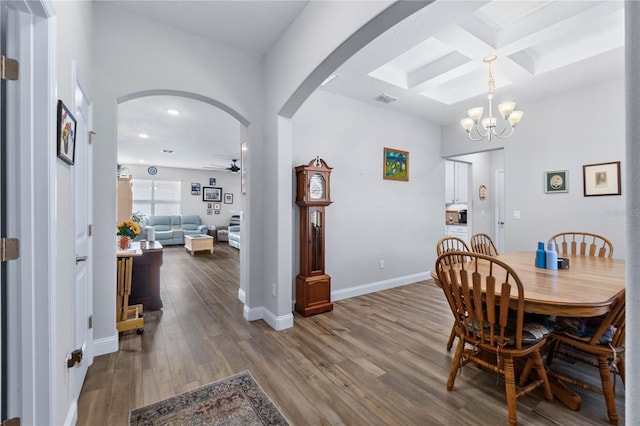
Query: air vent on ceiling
x=385 y=98
x=167 y=151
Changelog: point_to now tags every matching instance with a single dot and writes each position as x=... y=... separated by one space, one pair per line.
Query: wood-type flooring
x=377 y=359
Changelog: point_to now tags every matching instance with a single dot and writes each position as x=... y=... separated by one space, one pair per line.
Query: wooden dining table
x=586 y=289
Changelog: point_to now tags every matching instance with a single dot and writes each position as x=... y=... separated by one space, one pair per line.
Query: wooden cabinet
x=124 y=200
x=145 y=277
x=456 y=182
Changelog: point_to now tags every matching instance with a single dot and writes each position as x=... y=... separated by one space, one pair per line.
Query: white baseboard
x=106 y=345
x=278 y=323
x=72 y=414
x=378 y=286
x=242 y=295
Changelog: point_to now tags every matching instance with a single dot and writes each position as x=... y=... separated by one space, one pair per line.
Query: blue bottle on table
x=541 y=256
x=552 y=257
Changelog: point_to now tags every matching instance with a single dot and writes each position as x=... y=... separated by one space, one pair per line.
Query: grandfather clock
x=313 y=286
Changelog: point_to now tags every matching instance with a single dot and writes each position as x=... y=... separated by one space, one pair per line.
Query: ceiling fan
x=233 y=168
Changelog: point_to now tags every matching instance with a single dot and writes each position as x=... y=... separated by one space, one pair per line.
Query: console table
x=145 y=277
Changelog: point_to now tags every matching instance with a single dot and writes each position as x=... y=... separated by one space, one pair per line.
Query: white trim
x=72 y=414
x=106 y=345
x=261 y=313
x=378 y=286
x=242 y=295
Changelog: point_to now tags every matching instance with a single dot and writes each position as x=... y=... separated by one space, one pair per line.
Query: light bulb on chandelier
x=510 y=116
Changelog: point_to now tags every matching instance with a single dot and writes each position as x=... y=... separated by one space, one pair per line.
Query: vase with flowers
x=127 y=231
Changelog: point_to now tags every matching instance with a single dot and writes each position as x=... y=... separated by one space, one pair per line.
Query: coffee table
x=194 y=243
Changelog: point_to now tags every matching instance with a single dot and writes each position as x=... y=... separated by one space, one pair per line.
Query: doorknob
x=81 y=259
x=500 y=223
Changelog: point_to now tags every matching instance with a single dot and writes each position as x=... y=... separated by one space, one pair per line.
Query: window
x=156 y=197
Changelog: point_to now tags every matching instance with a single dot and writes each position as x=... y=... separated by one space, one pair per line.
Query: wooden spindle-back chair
x=482 y=243
x=582 y=244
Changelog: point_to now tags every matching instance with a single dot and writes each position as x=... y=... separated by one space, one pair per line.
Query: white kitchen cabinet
x=459 y=231
x=456 y=182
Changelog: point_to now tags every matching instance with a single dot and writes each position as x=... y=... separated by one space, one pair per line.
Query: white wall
x=563 y=132
x=193 y=204
x=73 y=18
x=372 y=219
x=133 y=55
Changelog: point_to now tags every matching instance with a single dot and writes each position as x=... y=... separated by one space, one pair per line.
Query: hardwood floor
x=376 y=359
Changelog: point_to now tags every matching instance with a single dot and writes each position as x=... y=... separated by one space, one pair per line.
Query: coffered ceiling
x=431 y=63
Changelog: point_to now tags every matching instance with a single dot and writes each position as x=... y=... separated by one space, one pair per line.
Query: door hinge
x=11 y=422
x=9 y=249
x=91 y=134
x=75 y=358
x=90 y=322
x=90 y=230
x=8 y=68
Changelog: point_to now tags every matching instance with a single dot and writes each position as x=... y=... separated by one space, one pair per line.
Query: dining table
x=587 y=288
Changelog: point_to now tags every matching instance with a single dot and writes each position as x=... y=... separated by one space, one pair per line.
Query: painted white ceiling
x=432 y=62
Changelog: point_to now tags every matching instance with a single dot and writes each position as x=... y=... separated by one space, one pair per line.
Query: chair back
x=582 y=244
x=482 y=243
x=483 y=316
x=448 y=244
x=616 y=319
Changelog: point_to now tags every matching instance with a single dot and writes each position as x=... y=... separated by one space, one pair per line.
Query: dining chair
x=602 y=347
x=481 y=303
x=582 y=244
x=445 y=245
x=482 y=243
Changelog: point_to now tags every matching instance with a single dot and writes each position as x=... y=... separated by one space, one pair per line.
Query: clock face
x=556 y=181
x=316 y=187
x=152 y=170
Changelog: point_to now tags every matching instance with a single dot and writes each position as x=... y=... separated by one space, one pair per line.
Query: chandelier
x=510 y=117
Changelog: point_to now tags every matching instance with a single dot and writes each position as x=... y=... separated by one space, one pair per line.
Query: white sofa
x=234 y=236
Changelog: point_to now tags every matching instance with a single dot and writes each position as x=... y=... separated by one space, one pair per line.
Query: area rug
x=236 y=400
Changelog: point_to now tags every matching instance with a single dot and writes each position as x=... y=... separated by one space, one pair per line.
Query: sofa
x=234 y=236
x=170 y=230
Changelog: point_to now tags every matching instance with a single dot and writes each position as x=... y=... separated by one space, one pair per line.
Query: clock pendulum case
x=313 y=285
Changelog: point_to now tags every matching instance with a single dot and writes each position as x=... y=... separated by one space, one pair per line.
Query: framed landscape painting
x=395 y=164
x=211 y=194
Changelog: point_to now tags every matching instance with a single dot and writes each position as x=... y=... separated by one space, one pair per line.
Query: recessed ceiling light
x=173 y=112
x=328 y=79
x=143 y=136
x=166 y=151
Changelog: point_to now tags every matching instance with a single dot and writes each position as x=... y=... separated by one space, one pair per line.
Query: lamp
x=507 y=110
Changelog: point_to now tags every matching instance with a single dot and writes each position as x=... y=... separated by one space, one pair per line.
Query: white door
x=82 y=184
x=3 y=272
x=499 y=209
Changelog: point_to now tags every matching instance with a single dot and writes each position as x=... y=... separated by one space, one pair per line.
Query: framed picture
x=395 y=164
x=216 y=206
x=66 y=134
x=212 y=181
x=217 y=211
x=195 y=189
x=209 y=211
x=228 y=198
x=602 y=179
x=556 y=181
x=211 y=194
x=243 y=166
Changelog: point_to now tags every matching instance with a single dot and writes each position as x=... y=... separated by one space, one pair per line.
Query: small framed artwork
x=212 y=181
x=217 y=211
x=602 y=179
x=209 y=212
x=209 y=205
x=395 y=164
x=66 y=134
x=216 y=206
x=211 y=194
x=556 y=181
x=228 y=198
x=195 y=189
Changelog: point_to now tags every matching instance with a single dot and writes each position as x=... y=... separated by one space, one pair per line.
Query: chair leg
x=620 y=365
x=542 y=374
x=452 y=337
x=510 y=390
x=553 y=348
x=607 y=388
x=455 y=364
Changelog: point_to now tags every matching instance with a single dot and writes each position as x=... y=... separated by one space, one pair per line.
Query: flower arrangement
x=128 y=228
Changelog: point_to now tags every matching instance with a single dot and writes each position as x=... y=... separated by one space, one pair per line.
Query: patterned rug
x=236 y=400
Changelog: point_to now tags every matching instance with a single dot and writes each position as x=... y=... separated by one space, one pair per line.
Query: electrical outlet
x=516 y=214
x=381 y=263
x=274 y=289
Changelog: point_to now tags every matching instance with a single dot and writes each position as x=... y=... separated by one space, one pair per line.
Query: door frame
x=31 y=187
